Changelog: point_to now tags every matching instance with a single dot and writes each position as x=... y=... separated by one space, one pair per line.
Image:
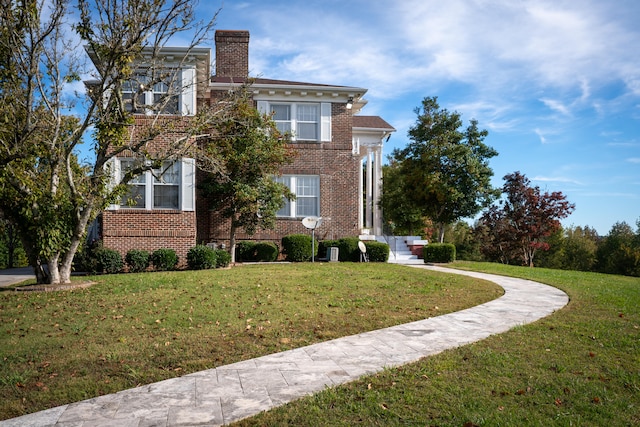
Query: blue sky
x=556 y=83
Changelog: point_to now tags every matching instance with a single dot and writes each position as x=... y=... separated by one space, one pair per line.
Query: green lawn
x=577 y=367
x=126 y=330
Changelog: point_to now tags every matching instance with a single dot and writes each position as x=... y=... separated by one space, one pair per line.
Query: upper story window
x=173 y=92
x=304 y=121
x=172 y=186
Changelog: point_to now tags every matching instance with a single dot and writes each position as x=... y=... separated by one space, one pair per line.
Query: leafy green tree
x=461 y=234
x=580 y=248
x=252 y=152
x=445 y=170
x=11 y=252
x=619 y=251
x=401 y=216
x=44 y=190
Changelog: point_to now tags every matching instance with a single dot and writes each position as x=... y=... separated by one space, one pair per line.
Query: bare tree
x=45 y=190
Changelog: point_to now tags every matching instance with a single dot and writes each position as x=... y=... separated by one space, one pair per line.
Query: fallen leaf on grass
x=596 y=400
x=558 y=402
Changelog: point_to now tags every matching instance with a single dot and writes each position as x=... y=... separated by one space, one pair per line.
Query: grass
x=127 y=330
x=577 y=367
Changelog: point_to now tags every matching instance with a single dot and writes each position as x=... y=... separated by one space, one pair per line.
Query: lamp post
x=311 y=223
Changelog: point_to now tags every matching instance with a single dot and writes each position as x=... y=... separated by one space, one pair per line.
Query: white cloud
x=556 y=106
x=633 y=160
x=561 y=179
x=541 y=135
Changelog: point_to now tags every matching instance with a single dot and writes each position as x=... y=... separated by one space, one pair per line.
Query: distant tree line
x=568 y=248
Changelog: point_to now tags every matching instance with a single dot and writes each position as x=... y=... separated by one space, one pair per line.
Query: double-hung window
x=166 y=186
x=308 y=122
x=282 y=117
x=172 y=92
x=306 y=188
x=135 y=195
x=303 y=121
x=172 y=186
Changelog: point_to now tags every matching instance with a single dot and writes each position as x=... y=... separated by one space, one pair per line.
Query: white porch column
x=377 y=191
x=369 y=191
x=360 y=195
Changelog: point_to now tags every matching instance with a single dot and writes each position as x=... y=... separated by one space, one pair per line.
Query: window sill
x=125 y=210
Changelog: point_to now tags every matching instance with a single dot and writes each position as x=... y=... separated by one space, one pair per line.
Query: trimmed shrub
x=349 y=250
x=266 y=251
x=245 y=250
x=377 y=251
x=108 y=261
x=439 y=252
x=297 y=247
x=201 y=257
x=223 y=258
x=164 y=259
x=137 y=260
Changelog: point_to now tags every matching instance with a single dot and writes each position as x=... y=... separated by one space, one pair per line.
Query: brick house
x=328 y=175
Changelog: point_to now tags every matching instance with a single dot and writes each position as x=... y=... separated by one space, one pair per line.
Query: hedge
x=439 y=252
x=137 y=260
x=349 y=251
x=377 y=251
x=223 y=258
x=266 y=251
x=201 y=257
x=297 y=247
x=109 y=261
x=164 y=259
x=245 y=250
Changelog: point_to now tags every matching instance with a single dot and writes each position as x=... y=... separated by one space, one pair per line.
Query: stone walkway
x=232 y=392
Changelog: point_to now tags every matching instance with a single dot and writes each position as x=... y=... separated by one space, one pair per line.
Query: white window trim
x=323 y=123
x=293 y=188
x=186 y=187
x=186 y=82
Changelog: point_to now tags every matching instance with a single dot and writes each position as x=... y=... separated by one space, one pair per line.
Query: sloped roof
x=371 y=122
x=262 y=81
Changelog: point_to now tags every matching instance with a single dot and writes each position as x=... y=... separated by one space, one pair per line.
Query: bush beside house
x=201 y=257
x=377 y=251
x=297 y=247
x=249 y=251
x=164 y=259
x=137 y=260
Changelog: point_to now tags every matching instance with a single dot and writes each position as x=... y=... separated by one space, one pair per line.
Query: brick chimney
x=232 y=53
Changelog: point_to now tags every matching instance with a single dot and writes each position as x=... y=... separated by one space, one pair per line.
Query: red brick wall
x=126 y=229
x=232 y=53
x=339 y=193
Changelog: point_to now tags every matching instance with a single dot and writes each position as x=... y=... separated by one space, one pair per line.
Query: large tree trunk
x=54 y=270
x=232 y=241
x=441 y=228
x=66 y=265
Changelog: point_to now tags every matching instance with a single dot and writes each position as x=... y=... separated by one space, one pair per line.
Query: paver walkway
x=232 y=392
